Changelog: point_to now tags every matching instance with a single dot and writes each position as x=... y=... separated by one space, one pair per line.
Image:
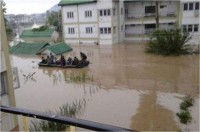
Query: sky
x=29 y=6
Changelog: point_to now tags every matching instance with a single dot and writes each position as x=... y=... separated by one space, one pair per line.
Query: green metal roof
x=73 y=2
x=27 y=48
x=59 y=48
x=30 y=33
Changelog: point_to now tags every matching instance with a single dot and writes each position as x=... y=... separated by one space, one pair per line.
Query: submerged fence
x=63 y=119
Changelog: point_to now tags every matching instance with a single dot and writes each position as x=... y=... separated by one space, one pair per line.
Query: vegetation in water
x=187 y=102
x=169 y=42
x=66 y=110
x=78 y=77
x=184 y=114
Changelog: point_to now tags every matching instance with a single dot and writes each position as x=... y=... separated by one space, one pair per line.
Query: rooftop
x=30 y=33
x=73 y=2
x=27 y=48
x=59 y=48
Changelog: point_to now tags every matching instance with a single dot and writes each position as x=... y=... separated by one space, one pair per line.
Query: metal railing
x=90 y=125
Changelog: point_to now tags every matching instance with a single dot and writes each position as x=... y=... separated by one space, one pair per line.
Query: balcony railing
x=63 y=119
x=131 y=16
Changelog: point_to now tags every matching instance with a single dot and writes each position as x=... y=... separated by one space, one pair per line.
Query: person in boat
x=62 y=60
x=43 y=60
x=52 y=58
x=48 y=60
x=69 y=61
x=75 y=61
x=83 y=56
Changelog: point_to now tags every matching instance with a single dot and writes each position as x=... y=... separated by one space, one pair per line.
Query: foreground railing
x=62 y=119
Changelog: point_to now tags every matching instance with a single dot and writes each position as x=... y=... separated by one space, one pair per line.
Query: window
x=109 y=30
x=190 y=6
x=150 y=9
x=89 y=30
x=88 y=13
x=190 y=28
x=184 y=28
x=105 y=12
x=101 y=30
x=108 y=12
x=101 y=12
x=3 y=83
x=196 y=28
x=197 y=6
x=70 y=15
x=71 y=30
x=150 y=26
x=185 y=7
x=105 y=30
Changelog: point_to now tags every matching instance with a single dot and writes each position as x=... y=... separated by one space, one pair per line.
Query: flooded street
x=123 y=86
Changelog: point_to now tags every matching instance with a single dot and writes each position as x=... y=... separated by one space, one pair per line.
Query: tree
x=169 y=42
x=9 y=31
x=54 y=19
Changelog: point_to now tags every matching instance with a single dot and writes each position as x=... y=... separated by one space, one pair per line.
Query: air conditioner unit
x=196 y=13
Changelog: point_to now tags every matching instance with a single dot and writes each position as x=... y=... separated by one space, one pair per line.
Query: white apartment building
x=115 y=21
x=190 y=19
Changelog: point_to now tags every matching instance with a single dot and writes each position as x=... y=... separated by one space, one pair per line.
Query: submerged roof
x=59 y=48
x=30 y=33
x=73 y=2
x=27 y=48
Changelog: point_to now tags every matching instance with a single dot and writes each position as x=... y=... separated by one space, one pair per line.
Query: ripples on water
x=122 y=86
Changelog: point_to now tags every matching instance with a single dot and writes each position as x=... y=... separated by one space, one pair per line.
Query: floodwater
x=123 y=86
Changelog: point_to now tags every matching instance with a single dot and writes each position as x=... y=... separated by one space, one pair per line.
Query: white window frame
x=70 y=15
x=88 y=13
x=71 y=30
x=89 y=30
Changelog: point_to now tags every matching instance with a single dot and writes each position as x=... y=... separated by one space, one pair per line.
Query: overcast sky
x=29 y=6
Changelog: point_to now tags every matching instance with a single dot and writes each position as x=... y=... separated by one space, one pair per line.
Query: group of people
x=62 y=61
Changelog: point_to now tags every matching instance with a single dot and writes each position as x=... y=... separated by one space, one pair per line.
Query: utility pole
x=157 y=15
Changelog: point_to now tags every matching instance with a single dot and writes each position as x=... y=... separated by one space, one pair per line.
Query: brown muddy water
x=123 y=86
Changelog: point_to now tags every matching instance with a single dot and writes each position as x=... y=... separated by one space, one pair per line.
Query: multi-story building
x=140 y=17
x=190 y=19
x=115 y=21
x=92 y=21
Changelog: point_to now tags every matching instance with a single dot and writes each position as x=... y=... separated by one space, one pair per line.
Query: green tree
x=169 y=42
x=54 y=19
x=9 y=31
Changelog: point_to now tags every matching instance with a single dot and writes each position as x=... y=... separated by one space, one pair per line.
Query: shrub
x=169 y=42
x=184 y=117
x=188 y=102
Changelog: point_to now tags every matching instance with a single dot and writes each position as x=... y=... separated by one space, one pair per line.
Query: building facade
x=8 y=121
x=190 y=19
x=115 y=21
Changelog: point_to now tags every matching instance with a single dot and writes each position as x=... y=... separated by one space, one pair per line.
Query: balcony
x=147 y=18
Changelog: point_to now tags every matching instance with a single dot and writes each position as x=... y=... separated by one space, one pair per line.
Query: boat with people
x=82 y=65
x=51 y=61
